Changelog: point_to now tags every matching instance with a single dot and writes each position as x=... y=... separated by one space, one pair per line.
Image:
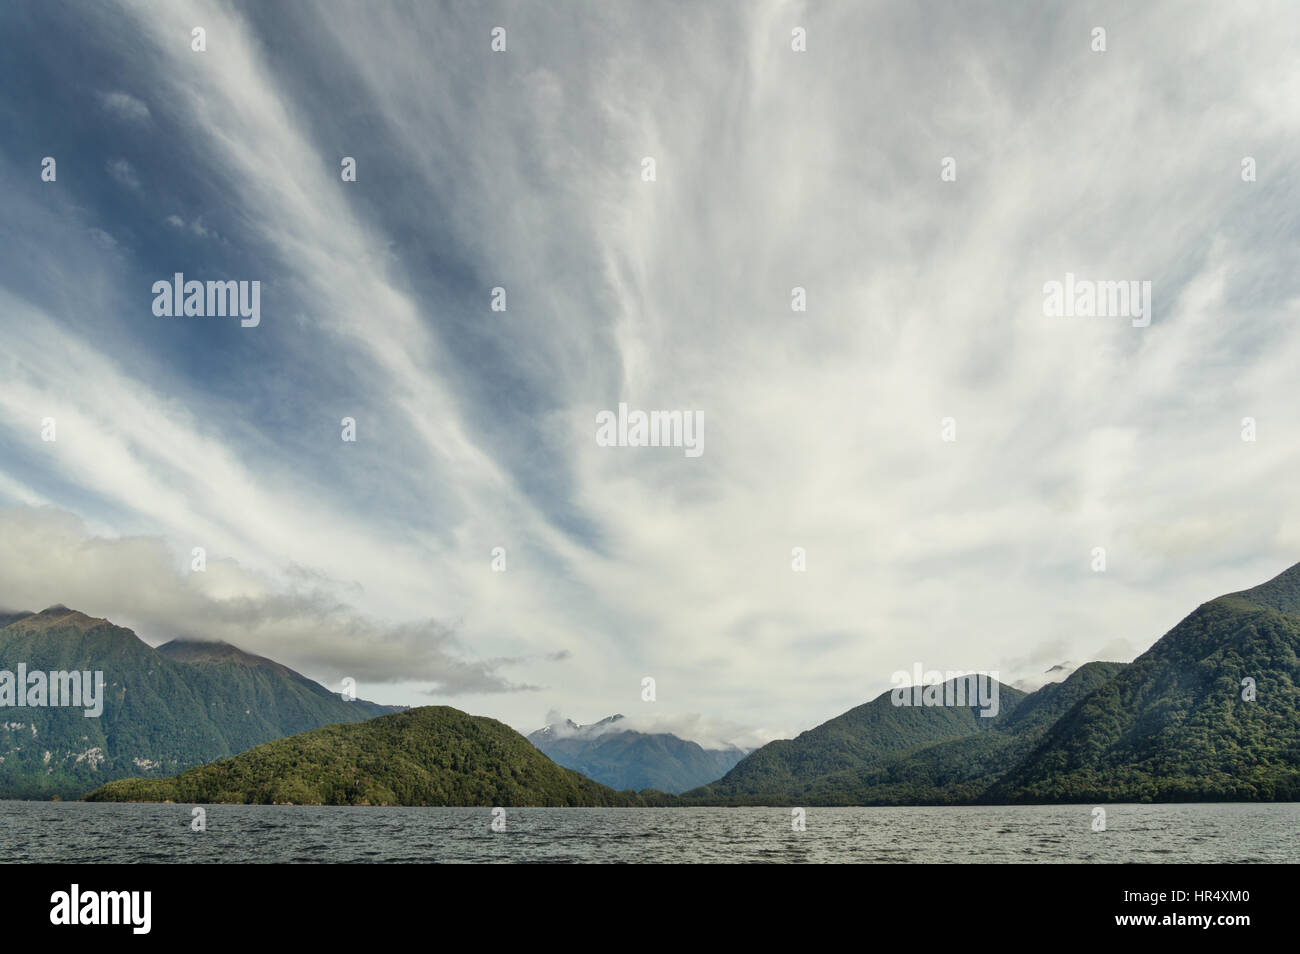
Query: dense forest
x=433 y=755
x=1174 y=725
x=165 y=709
x=1210 y=712
x=882 y=754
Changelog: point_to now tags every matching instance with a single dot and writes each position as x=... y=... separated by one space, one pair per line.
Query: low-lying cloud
x=707 y=731
x=49 y=556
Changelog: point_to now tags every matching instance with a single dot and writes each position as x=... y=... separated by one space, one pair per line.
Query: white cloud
x=124 y=174
x=49 y=556
x=125 y=106
x=196 y=227
x=708 y=731
x=776 y=169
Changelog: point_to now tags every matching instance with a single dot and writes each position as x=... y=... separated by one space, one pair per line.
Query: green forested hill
x=961 y=771
x=1282 y=593
x=164 y=710
x=1173 y=726
x=433 y=755
x=826 y=765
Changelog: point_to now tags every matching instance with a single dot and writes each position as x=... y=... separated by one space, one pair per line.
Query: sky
x=946 y=456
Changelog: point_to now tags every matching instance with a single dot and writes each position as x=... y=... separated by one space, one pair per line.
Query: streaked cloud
x=124 y=174
x=775 y=169
x=125 y=106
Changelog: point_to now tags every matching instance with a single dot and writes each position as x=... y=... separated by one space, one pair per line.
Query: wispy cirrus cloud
x=775 y=169
x=123 y=174
x=125 y=106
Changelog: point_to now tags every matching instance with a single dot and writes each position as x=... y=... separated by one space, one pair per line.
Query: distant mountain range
x=433 y=755
x=166 y=709
x=625 y=759
x=883 y=754
x=1174 y=725
x=1211 y=712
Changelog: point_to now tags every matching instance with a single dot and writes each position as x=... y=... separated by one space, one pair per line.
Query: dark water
x=84 y=832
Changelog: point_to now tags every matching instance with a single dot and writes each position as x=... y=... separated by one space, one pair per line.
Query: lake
x=109 y=832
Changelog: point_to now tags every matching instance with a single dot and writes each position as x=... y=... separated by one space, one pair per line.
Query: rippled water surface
x=87 y=832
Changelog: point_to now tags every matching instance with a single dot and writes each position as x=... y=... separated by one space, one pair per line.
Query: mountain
x=1058 y=673
x=831 y=764
x=625 y=759
x=164 y=709
x=1174 y=725
x=1282 y=593
x=234 y=669
x=1210 y=712
x=883 y=754
x=961 y=771
x=433 y=755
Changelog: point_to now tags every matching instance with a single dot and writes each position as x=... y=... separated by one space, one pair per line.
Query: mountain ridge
x=159 y=715
x=631 y=759
x=432 y=755
x=1211 y=711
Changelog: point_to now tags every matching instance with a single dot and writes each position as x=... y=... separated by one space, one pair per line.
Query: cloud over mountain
x=775 y=170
